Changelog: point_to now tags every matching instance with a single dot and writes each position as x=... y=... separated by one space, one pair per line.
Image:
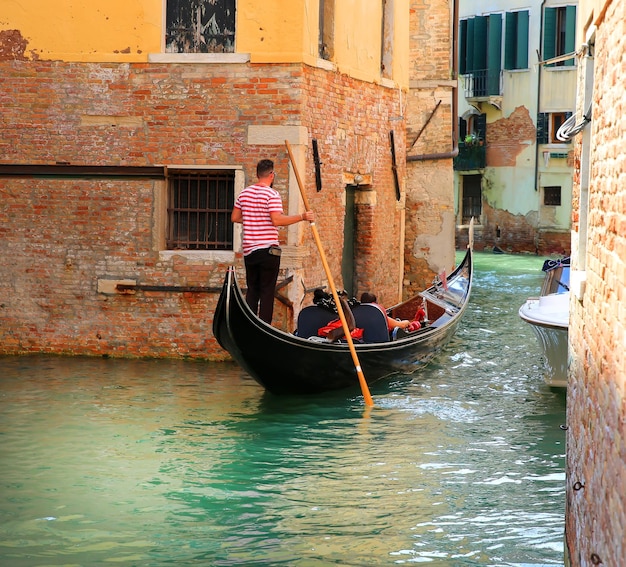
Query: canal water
x=162 y=463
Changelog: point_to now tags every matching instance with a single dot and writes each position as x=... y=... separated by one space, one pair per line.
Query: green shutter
x=463 y=47
x=494 y=54
x=542 y=128
x=462 y=128
x=469 y=47
x=510 y=40
x=549 y=33
x=521 y=50
x=480 y=126
x=480 y=45
x=570 y=32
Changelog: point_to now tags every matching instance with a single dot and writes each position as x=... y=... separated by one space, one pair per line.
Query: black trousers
x=261 y=275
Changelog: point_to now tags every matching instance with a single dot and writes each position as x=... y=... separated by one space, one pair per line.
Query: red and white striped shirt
x=256 y=202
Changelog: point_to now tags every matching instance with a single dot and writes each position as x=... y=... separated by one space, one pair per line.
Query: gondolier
x=260 y=209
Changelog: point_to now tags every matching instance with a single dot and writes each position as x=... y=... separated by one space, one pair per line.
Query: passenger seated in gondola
x=367 y=297
x=333 y=331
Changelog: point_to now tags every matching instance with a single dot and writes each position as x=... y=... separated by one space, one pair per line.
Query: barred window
x=552 y=195
x=199 y=208
x=472 y=198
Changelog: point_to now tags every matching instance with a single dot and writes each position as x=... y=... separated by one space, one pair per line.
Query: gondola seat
x=313 y=318
x=373 y=321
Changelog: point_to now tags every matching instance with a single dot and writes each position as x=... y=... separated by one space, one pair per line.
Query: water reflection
x=187 y=463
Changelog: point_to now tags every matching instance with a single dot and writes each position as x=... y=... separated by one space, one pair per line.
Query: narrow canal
x=159 y=463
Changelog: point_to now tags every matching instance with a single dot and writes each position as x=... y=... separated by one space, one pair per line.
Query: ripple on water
x=181 y=463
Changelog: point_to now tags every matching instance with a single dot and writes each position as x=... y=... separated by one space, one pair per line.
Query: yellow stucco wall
x=74 y=30
x=282 y=32
x=277 y=32
x=358 y=37
x=273 y=31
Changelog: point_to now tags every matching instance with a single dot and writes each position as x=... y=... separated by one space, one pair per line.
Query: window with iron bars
x=199 y=208
x=552 y=195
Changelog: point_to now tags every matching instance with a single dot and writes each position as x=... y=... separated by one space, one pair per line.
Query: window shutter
x=570 y=32
x=510 y=40
x=549 y=33
x=462 y=128
x=494 y=54
x=463 y=47
x=542 y=128
x=480 y=45
x=480 y=126
x=521 y=50
x=469 y=47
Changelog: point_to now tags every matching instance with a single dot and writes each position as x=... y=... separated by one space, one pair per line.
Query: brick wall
x=352 y=127
x=59 y=236
x=596 y=404
x=429 y=239
x=508 y=137
x=514 y=234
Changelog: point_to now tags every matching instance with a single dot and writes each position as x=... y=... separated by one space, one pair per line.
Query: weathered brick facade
x=61 y=237
x=429 y=237
x=596 y=404
x=515 y=234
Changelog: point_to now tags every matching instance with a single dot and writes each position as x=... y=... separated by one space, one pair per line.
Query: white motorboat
x=548 y=315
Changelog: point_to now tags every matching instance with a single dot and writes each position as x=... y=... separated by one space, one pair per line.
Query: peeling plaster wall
x=430 y=183
x=430 y=223
x=516 y=168
x=510 y=136
x=434 y=244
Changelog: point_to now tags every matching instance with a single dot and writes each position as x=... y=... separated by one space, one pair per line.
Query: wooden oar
x=357 y=365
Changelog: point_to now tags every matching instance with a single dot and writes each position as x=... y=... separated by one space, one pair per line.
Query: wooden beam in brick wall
x=68 y=170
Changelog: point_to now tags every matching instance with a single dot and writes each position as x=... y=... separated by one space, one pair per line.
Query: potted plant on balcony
x=472 y=140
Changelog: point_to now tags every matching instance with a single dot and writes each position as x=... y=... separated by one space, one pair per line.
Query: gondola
x=301 y=363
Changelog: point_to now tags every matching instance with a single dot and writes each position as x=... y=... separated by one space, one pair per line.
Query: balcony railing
x=483 y=83
x=471 y=156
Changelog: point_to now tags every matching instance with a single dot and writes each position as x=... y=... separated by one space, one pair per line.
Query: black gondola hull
x=284 y=363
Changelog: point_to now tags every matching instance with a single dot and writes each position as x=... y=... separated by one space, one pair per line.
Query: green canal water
x=163 y=463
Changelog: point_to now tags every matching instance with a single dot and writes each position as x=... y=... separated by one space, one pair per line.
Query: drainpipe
x=455 y=102
x=539 y=71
